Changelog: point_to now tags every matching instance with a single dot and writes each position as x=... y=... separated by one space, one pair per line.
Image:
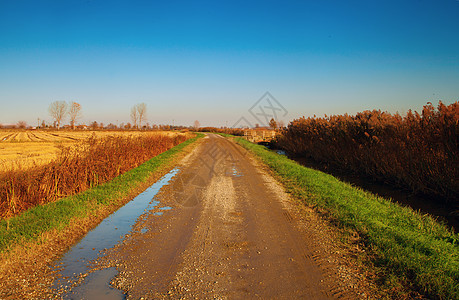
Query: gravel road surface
x=227 y=231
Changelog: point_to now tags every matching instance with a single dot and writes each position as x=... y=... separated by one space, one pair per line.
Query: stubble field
x=64 y=163
x=25 y=149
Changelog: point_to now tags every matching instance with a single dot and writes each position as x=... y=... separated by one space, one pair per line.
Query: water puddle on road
x=77 y=261
x=97 y=286
x=235 y=172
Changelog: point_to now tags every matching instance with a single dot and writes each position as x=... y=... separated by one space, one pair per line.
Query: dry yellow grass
x=25 y=149
x=26 y=154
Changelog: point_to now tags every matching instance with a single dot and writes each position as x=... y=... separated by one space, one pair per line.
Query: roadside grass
x=30 y=225
x=408 y=250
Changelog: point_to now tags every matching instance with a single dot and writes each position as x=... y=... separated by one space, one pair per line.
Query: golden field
x=28 y=148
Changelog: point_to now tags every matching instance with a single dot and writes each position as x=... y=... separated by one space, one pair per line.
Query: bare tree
x=138 y=114
x=134 y=116
x=57 y=110
x=74 y=113
x=141 y=113
x=196 y=124
x=94 y=125
x=22 y=124
x=111 y=126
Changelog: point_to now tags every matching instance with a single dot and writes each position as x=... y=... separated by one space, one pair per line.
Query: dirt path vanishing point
x=228 y=231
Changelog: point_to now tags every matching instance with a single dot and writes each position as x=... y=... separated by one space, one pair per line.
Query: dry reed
x=419 y=151
x=77 y=168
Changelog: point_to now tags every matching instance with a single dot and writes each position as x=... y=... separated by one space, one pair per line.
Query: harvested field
x=26 y=154
x=44 y=172
x=25 y=149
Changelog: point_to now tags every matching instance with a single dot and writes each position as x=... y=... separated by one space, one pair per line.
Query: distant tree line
x=61 y=110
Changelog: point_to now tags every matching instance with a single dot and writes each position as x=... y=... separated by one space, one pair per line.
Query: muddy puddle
x=73 y=280
x=234 y=172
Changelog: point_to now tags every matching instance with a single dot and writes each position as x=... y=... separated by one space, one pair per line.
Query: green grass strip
x=29 y=225
x=409 y=248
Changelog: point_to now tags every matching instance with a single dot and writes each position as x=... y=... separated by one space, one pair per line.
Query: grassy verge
x=409 y=251
x=31 y=224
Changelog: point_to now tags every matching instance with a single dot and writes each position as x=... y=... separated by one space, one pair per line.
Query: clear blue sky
x=211 y=60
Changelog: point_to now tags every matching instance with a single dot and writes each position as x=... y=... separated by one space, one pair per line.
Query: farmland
x=24 y=149
x=25 y=136
x=66 y=163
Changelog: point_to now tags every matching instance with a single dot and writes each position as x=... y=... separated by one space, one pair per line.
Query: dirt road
x=228 y=231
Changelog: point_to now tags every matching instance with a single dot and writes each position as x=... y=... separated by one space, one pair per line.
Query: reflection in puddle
x=159 y=213
x=106 y=235
x=97 y=286
x=281 y=152
x=235 y=172
x=165 y=208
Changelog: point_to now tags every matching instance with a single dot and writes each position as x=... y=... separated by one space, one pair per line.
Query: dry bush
x=419 y=151
x=77 y=168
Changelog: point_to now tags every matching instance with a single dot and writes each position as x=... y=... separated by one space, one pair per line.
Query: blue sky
x=212 y=60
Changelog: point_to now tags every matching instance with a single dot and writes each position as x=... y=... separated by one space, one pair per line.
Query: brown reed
x=419 y=150
x=77 y=168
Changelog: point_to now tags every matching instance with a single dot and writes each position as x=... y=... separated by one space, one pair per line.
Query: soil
x=232 y=233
